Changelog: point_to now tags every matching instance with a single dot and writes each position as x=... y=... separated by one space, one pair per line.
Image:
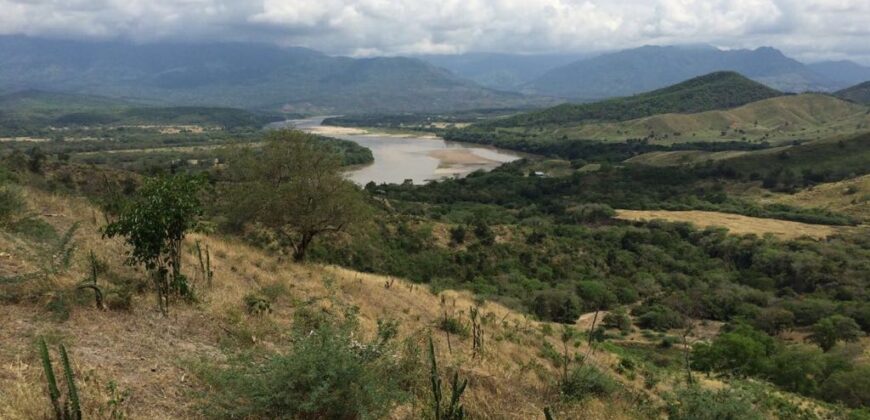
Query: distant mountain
x=844 y=72
x=858 y=93
x=240 y=75
x=500 y=71
x=719 y=90
x=642 y=69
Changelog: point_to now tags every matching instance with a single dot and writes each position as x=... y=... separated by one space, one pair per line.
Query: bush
x=556 y=306
x=658 y=317
x=11 y=203
x=617 y=319
x=453 y=325
x=828 y=331
x=700 y=404
x=586 y=381
x=325 y=375
x=849 y=386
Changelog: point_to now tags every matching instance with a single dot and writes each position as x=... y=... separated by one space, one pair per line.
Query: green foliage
x=849 y=386
x=658 y=317
x=325 y=374
x=453 y=325
x=828 y=331
x=294 y=187
x=11 y=203
x=695 y=403
x=68 y=407
x=154 y=224
x=740 y=351
x=713 y=91
x=556 y=306
x=617 y=319
x=588 y=381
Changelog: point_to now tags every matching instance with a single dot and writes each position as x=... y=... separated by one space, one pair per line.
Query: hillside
x=239 y=75
x=778 y=119
x=718 y=90
x=843 y=71
x=500 y=71
x=30 y=111
x=647 y=68
x=858 y=93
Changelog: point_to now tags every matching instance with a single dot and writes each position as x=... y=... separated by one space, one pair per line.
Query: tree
x=294 y=187
x=155 y=223
x=828 y=331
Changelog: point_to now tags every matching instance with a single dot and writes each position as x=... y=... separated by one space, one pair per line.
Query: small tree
x=154 y=223
x=293 y=186
x=828 y=331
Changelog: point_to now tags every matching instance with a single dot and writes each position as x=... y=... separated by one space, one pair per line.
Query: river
x=419 y=158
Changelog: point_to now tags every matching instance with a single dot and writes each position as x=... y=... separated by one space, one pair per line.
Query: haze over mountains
x=300 y=80
x=240 y=75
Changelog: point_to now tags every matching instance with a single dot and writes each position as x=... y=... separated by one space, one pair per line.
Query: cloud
x=808 y=29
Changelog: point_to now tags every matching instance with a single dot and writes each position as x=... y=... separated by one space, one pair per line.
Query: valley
x=230 y=230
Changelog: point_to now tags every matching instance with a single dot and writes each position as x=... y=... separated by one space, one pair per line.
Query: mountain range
x=253 y=76
x=300 y=80
x=647 y=68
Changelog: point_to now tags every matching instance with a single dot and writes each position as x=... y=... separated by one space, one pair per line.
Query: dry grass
x=734 y=223
x=851 y=196
x=150 y=355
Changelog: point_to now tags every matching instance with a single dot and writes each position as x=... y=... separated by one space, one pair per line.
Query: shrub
x=11 y=203
x=696 y=403
x=453 y=325
x=849 y=386
x=828 y=331
x=322 y=376
x=658 y=317
x=556 y=306
x=617 y=319
x=586 y=381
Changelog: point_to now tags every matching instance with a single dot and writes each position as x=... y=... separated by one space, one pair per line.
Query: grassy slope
x=776 y=119
x=713 y=91
x=152 y=356
x=851 y=196
x=839 y=154
x=858 y=93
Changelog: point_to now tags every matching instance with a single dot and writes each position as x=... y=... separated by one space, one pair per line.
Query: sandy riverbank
x=459 y=157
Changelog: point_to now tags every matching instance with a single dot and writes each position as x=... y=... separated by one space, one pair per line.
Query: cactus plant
x=70 y=407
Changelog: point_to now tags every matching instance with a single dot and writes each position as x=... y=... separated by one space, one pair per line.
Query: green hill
x=30 y=111
x=718 y=90
x=776 y=119
x=858 y=93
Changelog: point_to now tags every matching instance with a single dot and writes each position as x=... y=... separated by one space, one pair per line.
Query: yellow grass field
x=734 y=223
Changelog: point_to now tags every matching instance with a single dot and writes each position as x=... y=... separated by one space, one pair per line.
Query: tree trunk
x=301 y=247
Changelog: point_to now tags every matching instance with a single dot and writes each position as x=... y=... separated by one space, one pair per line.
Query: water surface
x=418 y=158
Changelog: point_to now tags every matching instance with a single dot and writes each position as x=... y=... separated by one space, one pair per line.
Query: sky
x=809 y=30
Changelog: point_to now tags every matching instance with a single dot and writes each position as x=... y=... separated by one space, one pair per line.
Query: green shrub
x=326 y=374
x=453 y=325
x=11 y=204
x=658 y=317
x=848 y=386
x=696 y=403
x=586 y=381
x=617 y=319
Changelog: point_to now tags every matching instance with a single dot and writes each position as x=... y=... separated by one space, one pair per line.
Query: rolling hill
x=34 y=110
x=781 y=118
x=652 y=67
x=858 y=93
x=718 y=90
x=240 y=75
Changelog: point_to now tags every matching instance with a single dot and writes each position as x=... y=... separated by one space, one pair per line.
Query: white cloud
x=809 y=29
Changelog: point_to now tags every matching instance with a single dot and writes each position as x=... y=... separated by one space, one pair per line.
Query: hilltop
x=859 y=93
x=719 y=90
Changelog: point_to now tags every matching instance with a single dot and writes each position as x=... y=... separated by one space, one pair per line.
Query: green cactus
x=69 y=408
x=454 y=410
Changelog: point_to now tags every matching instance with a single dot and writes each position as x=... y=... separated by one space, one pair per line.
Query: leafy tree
x=154 y=223
x=849 y=386
x=617 y=319
x=696 y=403
x=828 y=331
x=774 y=320
x=741 y=351
x=293 y=186
x=798 y=369
x=556 y=306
